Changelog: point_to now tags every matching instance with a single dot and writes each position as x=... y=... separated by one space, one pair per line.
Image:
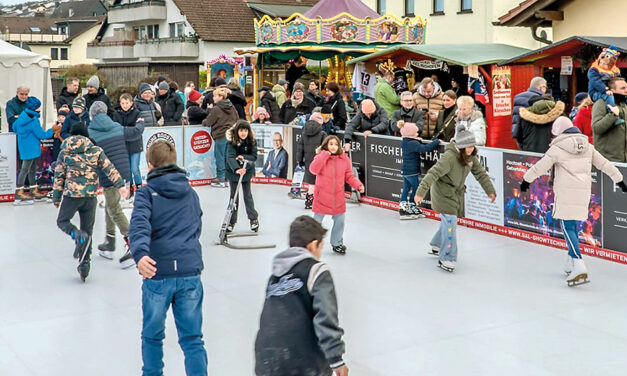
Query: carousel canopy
x=331 y=8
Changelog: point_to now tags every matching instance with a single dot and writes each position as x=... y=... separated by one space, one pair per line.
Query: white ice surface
x=505 y=311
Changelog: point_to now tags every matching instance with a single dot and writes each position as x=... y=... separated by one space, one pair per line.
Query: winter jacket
x=195 y=113
x=13 y=110
x=110 y=136
x=310 y=139
x=414 y=115
x=244 y=148
x=276 y=164
x=332 y=172
x=446 y=181
x=239 y=102
x=446 y=124
x=280 y=94
x=171 y=107
x=412 y=149
x=270 y=104
x=583 y=121
x=609 y=139
x=378 y=123
x=433 y=103
x=476 y=124
x=386 y=97
x=572 y=158
x=339 y=110
x=289 y=112
x=207 y=100
x=536 y=122
x=521 y=100
x=166 y=224
x=299 y=332
x=147 y=111
x=598 y=78
x=65 y=98
x=98 y=96
x=29 y=134
x=315 y=97
x=130 y=118
x=71 y=119
x=221 y=118
x=76 y=172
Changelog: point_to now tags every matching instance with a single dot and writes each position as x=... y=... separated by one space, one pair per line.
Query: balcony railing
x=183 y=46
x=111 y=50
x=33 y=38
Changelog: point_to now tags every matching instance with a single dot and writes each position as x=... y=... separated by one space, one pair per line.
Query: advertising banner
x=44 y=174
x=358 y=155
x=477 y=203
x=173 y=135
x=427 y=160
x=296 y=135
x=614 y=214
x=502 y=90
x=384 y=157
x=8 y=164
x=199 y=155
x=263 y=136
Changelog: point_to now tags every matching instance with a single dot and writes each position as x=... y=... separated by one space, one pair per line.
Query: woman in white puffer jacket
x=470 y=119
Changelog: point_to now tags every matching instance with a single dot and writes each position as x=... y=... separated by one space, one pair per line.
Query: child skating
x=76 y=179
x=445 y=181
x=333 y=169
x=299 y=332
x=599 y=74
x=242 y=146
x=571 y=157
x=412 y=147
x=310 y=139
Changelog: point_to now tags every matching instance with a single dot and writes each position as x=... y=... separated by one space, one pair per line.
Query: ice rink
x=506 y=310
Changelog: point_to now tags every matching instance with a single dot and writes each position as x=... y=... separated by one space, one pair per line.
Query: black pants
x=248 y=201
x=86 y=208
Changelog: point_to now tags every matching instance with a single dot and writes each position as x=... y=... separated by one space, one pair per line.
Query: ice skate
x=22 y=198
x=415 y=210
x=127 y=260
x=37 y=195
x=449 y=266
x=83 y=269
x=341 y=249
x=404 y=211
x=435 y=250
x=569 y=265
x=83 y=241
x=579 y=274
x=107 y=248
x=309 y=201
x=254 y=225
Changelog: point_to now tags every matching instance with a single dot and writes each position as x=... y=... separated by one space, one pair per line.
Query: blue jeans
x=337 y=232
x=609 y=99
x=220 y=155
x=185 y=294
x=136 y=175
x=445 y=239
x=410 y=186
x=571 y=235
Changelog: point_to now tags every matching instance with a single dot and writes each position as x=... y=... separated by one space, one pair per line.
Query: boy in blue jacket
x=164 y=238
x=411 y=148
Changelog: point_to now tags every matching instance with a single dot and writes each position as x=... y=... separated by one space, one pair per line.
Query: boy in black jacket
x=164 y=234
x=299 y=331
x=128 y=116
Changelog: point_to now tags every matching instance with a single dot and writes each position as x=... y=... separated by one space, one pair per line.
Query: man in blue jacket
x=537 y=86
x=165 y=242
x=276 y=163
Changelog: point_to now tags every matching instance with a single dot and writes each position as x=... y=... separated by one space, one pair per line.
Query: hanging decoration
x=427 y=65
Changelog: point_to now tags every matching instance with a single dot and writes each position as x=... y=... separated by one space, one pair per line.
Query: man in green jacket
x=611 y=140
x=385 y=95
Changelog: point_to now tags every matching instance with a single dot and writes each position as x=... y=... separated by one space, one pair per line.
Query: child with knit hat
x=446 y=183
x=412 y=147
x=600 y=72
x=261 y=116
x=571 y=157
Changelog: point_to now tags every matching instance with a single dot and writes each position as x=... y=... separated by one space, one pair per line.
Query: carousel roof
x=331 y=8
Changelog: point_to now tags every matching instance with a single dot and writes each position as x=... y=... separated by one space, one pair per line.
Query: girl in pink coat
x=332 y=169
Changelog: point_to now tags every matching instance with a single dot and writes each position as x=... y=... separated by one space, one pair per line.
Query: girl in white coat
x=572 y=157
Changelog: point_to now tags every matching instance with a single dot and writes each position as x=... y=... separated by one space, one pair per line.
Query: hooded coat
x=171 y=107
x=29 y=134
x=244 y=148
x=310 y=139
x=111 y=137
x=583 y=121
x=221 y=118
x=270 y=104
x=536 y=122
x=433 y=103
x=280 y=94
x=339 y=110
x=98 y=96
x=572 y=156
x=71 y=119
x=521 y=100
x=239 y=102
x=609 y=139
x=386 y=97
x=195 y=114
x=332 y=172
x=65 y=98
x=475 y=124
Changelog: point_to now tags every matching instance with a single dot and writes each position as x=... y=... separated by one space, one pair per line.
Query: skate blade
x=445 y=268
x=127 y=263
x=579 y=280
x=406 y=218
x=106 y=254
x=433 y=253
x=23 y=202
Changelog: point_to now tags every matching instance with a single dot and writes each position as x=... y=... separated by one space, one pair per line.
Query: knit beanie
x=33 y=103
x=144 y=87
x=261 y=110
x=79 y=102
x=299 y=86
x=96 y=108
x=194 y=95
x=164 y=86
x=580 y=97
x=93 y=81
x=317 y=117
x=409 y=130
x=79 y=129
x=220 y=81
x=63 y=110
x=561 y=124
x=464 y=138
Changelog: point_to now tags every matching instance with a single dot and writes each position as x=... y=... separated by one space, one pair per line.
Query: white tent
x=21 y=67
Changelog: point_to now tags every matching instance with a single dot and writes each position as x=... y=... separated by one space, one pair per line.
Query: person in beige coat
x=572 y=157
x=429 y=98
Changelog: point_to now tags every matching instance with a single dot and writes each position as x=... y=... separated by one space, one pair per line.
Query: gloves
x=622 y=186
x=524 y=186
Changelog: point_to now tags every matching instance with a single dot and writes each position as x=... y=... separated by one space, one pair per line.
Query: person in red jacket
x=583 y=119
x=333 y=169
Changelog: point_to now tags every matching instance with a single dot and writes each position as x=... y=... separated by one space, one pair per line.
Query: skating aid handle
x=239 y=182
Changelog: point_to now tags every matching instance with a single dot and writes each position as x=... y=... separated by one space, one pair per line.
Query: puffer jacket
x=280 y=94
x=385 y=95
x=221 y=118
x=536 y=122
x=195 y=113
x=310 y=139
x=378 y=123
x=98 y=96
x=29 y=134
x=572 y=157
x=244 y=148
x=289 y=112
x=109 y=135
x=76 y=173
x=609 y=139
x=332 y=172
x=583 y=121
x=171 y=107
x=270 y=104
x=433 y=103
x=446 y=181
x=147 y=111
x=521 y=100
x=131 y=118
x=476 y=124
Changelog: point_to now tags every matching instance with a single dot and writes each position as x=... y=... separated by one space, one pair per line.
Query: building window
x=64 y=54
x=35 y=29
x=152 y=31
x=438 y=6
x=466 y=6
x=177 y=29
x=381 y=6
x=409 y=7
x=54 y=53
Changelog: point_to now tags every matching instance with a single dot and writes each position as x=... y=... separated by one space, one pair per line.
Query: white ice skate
x=435 y=250
x=579 y=274
x=449 y=266
x=569 y=265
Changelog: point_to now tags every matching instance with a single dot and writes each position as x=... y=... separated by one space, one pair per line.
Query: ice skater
x=311 y=138
x=333 y=169
x=445 y=181
x=571 y=157
x=299 y=331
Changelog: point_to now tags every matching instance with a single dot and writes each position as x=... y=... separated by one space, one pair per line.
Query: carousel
x=334 y=31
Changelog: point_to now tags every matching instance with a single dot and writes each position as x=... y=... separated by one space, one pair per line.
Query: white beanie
x=561 y=124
